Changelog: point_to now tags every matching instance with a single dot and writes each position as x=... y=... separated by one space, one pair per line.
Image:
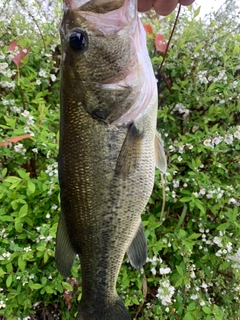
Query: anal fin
x=160 y=157
x=137 y=252
x=64 y=253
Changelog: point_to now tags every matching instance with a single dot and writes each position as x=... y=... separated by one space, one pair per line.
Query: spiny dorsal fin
x=64 y=253
x=160 y=157
x=137 y=252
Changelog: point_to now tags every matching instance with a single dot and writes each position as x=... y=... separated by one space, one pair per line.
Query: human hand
x=162 y=7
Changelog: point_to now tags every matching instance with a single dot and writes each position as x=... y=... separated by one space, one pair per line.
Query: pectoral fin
x=160 y=157
x=130 y=154
x=137 y=252
x=64 y=253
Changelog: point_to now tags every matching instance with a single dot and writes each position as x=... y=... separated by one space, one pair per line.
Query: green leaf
x=45 y=257
x=67 y=286
x=48 y=289
x=179 y=270
x=23 y=174
x=4 y=172
x=223 y=226
x=59 y=288
x=31 y=186
x=207 y=310
x=9 y=267
x=23 y=211
x=194 y=236
x=18 y=225
x=188 y=316
x=41 y=248
x=2 y=272
x=178 y=282
x=198 y=203
x=192 y=306
x=6 y=218
x=44 y=281
x=186 y=199
x=21 y=263
x=35 y=286
x=14 y=181
x=9 y=280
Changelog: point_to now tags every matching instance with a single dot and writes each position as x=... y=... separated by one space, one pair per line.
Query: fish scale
x=107 y=153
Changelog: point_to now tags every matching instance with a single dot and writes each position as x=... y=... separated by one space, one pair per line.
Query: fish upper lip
x=111 y=22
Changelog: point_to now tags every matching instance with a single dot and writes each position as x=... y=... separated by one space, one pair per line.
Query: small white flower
x=232 y=200
x=194 y=297
x=48 y=215
x=38 y=82
x=237 y=134
x=6 y=255
x=175 y=183
x=164 y=270
x=189 y=146
x=218 y=241
x=202 y=191
x=228 y=139
x=153 y=270
x=53 y=77
x=19 y=148
x=208 y=143
x=54 y=207
x=218 y=253
x=171 y=148
x=48 y=238
x=42 y=73
x=30 y=121
x=217 y=140
x=3 y=65
x=181 y=149
x=35 y=150
x=25 y=113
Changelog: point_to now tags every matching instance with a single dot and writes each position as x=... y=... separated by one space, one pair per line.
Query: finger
x=164 y=7
x=144 y=5
x=186 y=2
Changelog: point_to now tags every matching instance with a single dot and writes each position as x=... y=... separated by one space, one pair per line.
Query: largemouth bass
x=108 y=148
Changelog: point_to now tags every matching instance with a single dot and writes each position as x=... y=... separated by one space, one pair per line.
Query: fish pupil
x=78 y=40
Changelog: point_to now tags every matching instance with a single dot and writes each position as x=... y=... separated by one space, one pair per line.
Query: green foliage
x=194 y=258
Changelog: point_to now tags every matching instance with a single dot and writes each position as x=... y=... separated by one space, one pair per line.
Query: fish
x=108 y=148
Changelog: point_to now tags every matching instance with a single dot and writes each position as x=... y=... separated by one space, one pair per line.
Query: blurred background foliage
x=194 y=257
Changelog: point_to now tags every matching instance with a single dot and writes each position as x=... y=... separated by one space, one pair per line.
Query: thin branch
x=170 y=38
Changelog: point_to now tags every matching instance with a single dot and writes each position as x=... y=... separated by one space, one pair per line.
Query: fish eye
x=78 y=40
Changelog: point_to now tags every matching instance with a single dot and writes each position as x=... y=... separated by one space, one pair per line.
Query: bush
x=194 y=257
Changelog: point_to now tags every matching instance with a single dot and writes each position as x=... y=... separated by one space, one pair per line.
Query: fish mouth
x=97 y=6
x=102 y=6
